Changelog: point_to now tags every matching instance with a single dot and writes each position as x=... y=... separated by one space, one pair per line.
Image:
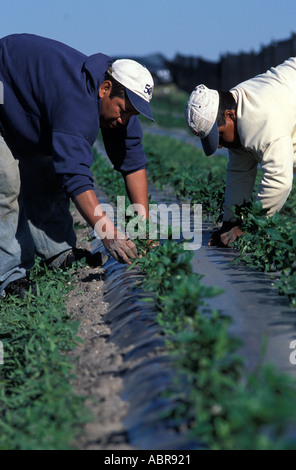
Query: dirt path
x=100 y=362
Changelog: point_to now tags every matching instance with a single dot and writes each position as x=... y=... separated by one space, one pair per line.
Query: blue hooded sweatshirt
x=51 y=107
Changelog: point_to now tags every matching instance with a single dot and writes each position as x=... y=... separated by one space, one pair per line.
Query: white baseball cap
x=201 y=114
x=138 y=82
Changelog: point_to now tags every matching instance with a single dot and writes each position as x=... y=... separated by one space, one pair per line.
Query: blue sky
x=206 y=28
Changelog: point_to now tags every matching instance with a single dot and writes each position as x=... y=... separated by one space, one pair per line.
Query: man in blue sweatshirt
x=54 y=100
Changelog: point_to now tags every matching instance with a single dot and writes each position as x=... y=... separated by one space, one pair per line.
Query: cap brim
x=139 y=104
x=210 y=143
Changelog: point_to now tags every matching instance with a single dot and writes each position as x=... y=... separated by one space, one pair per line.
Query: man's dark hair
x=226 y=101
x=118 y=90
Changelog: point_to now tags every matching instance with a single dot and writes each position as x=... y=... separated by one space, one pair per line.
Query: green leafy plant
x=39 y=408
x=183 y=169
x=268 y=244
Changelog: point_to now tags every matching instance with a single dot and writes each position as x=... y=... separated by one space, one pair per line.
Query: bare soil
x=99 y=365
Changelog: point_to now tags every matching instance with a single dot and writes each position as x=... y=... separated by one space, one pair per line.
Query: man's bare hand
x=228 y=238
x=123 y=250
x=227 y=234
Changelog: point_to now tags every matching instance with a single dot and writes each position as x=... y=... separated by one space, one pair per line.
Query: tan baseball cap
x=201 y=114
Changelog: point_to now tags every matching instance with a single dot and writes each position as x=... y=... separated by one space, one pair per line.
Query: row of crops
x=224 y=406
x=39 y=407
x=267 y=243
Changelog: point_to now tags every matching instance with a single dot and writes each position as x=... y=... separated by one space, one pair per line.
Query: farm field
x=200 y=337
x=173 y=261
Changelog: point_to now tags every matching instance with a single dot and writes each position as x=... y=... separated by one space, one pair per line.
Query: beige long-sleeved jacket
x=266 y=123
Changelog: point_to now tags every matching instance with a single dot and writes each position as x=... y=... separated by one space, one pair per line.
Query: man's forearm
x=89 y=207
x=137 y=191
x=115 y=242
x=241 y=175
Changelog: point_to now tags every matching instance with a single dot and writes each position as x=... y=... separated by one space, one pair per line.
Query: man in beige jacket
x=256 y=121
